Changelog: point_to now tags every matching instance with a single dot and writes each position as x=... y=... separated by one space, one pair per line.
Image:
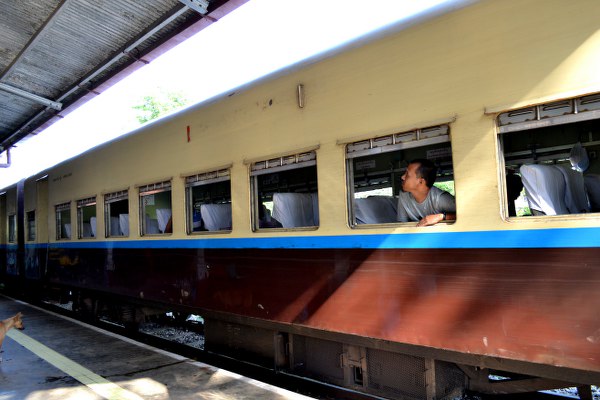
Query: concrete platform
x=59 y=358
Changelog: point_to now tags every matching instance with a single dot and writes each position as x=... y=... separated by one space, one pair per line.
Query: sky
x=254 y=40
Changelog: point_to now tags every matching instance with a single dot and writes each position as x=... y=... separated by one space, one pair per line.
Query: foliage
x=159 y=104
x=524 y=212
x=447 y=186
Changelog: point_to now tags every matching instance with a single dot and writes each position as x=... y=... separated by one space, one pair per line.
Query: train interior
x=209 y=205
x=553 y=169
x=63 y=221
x=30 y=221
x=116 y=213
x=285 y=193
x=86 y=218
x=155 y=209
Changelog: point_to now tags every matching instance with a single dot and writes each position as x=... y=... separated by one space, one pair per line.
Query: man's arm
x=433 y=219
x=447 y=211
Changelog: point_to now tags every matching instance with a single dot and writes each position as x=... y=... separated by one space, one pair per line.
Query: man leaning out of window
x=419 y=200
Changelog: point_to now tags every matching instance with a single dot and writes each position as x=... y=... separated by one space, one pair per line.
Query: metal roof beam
x=200 y=6
x=30 y=96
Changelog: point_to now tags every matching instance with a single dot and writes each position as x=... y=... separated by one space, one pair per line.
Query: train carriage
x=272 y=210
x=10 y=238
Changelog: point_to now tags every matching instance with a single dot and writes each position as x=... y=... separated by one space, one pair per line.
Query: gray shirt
x=436 y=202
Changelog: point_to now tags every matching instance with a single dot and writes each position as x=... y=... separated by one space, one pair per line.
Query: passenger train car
x=271 y=211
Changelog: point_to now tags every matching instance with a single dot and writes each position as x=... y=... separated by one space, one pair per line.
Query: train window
x=12 y=228
x=550 y=154
x=116 y=214
x=375 y=167
x=208 y=201
x=284 y=192
x=30 y=221
x=86 y=218
x=155 y=209
x=63 y=221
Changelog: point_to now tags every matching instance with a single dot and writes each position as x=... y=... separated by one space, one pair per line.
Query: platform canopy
x=57 y=54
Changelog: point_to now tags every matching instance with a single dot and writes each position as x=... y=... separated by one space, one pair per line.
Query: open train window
x=12 y=228
x=550 y=154
x=30 y=222
x=284 y=192
x=63 y=221
x=116 y=214
x=208 y=201
x=86 y=218
x=375 y=167
x=155 y=209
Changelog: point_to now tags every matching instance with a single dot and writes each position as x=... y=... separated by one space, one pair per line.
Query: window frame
x=81 y=204
x=59 y=209
x=12 y=228
x=29 y=237
x=410 y=139
x=110 y=198
x=204 y=179
x=149 y=190
x=271 y=165
x=566 y=111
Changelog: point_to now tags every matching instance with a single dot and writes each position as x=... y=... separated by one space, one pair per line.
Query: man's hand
x=431 y=219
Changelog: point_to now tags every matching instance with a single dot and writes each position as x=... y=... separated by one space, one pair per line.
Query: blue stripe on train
x=538 y=238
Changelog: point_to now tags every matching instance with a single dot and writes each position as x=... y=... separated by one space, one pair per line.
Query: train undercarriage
x=373 y=367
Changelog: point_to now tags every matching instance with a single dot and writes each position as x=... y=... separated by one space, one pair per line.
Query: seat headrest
x=579 y=158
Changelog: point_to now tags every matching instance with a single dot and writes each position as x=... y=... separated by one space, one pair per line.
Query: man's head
x=420 y=175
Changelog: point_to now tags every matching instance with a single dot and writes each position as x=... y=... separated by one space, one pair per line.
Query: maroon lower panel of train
x=533 y=305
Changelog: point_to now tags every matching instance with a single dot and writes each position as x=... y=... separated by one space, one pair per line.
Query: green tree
x=158 y=104
x=447 y=186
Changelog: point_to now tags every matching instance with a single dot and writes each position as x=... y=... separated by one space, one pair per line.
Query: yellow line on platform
x=95 y=382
